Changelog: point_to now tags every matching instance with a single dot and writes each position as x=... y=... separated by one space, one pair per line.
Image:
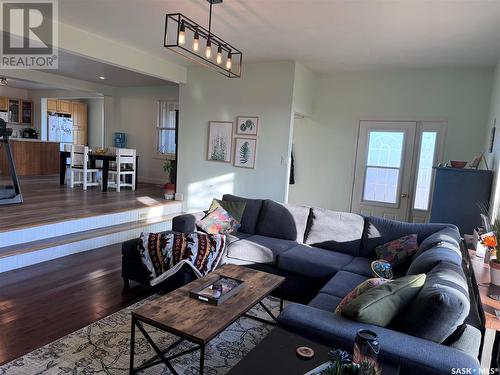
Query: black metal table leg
x=202 y=359
x=62 y=167
x=105 y=174
x=132 y=344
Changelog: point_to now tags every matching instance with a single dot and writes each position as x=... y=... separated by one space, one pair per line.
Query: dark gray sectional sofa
x=325 y=254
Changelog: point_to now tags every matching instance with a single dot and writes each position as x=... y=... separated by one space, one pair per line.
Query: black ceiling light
x=184 y=36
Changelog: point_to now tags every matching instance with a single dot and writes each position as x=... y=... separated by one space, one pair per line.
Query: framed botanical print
x=245 y=150
x=247 y=125
x=220 y=141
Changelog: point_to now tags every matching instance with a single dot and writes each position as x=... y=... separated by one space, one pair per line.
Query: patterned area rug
x=103 y=348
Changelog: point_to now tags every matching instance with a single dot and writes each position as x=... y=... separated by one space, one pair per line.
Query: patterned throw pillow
x=161 y=253
x=397 y=251
x=235 y=209
x=360 y=289
x=218 y=221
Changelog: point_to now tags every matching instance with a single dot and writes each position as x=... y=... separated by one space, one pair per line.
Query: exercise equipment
x=9 y=194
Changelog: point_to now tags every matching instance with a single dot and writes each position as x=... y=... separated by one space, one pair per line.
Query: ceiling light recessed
x=102 y=77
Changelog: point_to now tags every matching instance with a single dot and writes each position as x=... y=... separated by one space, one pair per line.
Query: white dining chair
x=124 y=166
x=79 y=172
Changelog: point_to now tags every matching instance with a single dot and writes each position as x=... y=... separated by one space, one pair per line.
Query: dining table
x=93 y=157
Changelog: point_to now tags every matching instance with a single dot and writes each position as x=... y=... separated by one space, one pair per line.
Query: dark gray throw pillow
x=285 y=221
x=250 y=215
x=440 y=307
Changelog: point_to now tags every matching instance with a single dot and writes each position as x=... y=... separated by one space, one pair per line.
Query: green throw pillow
x=381 y=304
x=235 y=209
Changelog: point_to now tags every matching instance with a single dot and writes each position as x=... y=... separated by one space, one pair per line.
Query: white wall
x=134 y=111
x=325 y=142
x=493 y=159
x=95 y=122
x=13 y=92
x=264 y=90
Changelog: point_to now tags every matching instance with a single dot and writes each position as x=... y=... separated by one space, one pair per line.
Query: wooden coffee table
x=196 y=321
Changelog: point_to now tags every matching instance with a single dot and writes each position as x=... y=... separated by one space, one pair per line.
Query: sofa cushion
x=235 y=236
x=361 y=266
x=284 y=221
x=235 y=209
x=358 y=290
x=332 y=230
x=312 y=261
x=342 y=283
x=250 y=215
x=325 y=302
x=381 y=304
x=398 y=251
x=258 y=249
x=218 y=221
x=426 y=261
x=449 y=236
x=440 y=307
x=379 y=231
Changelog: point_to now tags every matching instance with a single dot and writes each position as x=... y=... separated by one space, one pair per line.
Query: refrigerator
x=60 y=128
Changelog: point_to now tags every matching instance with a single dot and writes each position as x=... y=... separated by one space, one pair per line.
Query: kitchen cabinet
x=14 y=110
x=52 y=105
x=4 y=103
x=64 y=106
x=27 y=112
x=32 y=158
x=79 y=117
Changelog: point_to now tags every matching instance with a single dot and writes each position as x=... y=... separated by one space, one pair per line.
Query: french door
x=393 y=173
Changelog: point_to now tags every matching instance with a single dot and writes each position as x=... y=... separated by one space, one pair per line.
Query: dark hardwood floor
x=43 y=302
x=45 y=201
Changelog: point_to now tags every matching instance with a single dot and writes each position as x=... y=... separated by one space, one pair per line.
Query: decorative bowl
x=100 y=151
x=458 y=164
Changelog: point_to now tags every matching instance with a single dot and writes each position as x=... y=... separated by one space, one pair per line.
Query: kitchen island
x=32 y=157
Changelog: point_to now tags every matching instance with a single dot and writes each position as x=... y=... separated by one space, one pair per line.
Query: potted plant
x=169 y=187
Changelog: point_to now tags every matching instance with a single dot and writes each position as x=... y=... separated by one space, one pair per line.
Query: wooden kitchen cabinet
x=4 y=103
x=52 y=105
x=64 y=106
x=32 y=158
x=79 y=117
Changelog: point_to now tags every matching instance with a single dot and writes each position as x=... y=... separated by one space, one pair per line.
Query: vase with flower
x=489 y=240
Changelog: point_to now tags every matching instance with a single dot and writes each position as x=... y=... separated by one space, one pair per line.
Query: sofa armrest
x=186 y=223
x=413 y=354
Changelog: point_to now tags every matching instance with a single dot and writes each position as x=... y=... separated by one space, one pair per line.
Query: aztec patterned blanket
x=164 y=254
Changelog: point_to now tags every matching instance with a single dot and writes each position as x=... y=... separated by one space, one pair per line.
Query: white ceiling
x=323 y=34
x=80 y=67
x=27 y=85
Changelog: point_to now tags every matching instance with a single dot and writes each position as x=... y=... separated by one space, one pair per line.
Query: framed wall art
x=220 y=141
x=248 y=125
x=245 y=150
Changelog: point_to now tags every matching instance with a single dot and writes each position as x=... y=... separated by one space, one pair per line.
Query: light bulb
x=196 y=41
x=208 y=49
x=219 y=55
x=229 y=62
x=182 y=34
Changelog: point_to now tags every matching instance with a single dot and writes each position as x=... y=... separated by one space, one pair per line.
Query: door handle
x=404 y=195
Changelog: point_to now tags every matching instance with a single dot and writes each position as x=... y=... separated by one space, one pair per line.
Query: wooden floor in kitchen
x=41 y=303
x=45 y=202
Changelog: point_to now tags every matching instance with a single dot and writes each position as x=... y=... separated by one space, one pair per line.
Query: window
x=424 y=174
x=166 y=127
x=385 y=149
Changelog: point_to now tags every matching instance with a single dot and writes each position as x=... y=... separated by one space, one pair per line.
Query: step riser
x=50 y=253
x=89 y=223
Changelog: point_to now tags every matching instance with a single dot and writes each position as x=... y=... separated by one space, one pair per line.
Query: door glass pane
x=381 y=184
x=385 y=149
x=424 y=174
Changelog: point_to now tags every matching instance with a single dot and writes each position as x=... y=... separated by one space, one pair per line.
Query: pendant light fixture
x=184 y=36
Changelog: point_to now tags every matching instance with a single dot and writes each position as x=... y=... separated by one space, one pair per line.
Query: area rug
x=103 y=348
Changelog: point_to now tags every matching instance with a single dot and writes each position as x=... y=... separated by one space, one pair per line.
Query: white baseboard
x=151 y=180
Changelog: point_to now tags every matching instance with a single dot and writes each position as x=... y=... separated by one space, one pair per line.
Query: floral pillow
x=397 y=251
x=218 y=221
x=360 y=289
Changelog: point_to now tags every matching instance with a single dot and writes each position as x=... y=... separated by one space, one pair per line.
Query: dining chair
x=124 y=166
x=79 y=172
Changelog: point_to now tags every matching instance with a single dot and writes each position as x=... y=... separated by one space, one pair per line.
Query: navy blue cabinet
x=459 y=195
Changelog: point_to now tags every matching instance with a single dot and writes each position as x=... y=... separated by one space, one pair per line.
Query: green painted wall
x=325 y=142
x=265 y=90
